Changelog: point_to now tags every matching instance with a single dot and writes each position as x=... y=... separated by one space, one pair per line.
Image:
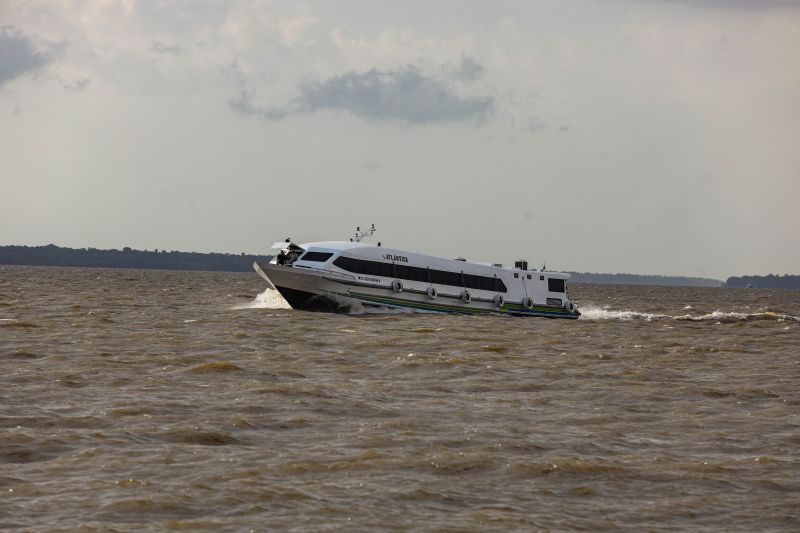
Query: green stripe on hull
x=414 y=305
x=508 y=309
x=514 y=308
x=539 y=311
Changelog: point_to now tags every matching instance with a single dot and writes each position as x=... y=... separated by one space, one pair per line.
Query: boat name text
x=367 y=278
x=392 y=257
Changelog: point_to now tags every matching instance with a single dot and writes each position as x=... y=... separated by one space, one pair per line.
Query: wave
x=269 y=299
x=272 y=299
x=380 y=310
x=591 y=312
x=733 y=316
x=350 y=306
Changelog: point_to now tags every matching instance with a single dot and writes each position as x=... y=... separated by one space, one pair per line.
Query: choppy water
x=150 y=400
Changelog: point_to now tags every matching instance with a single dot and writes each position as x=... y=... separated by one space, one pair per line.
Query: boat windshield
x=289 y=255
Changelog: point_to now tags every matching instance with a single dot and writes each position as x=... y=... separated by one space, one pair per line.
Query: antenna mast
x=361 y=234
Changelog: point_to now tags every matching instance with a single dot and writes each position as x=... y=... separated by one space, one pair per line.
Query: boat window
x=516 y=275
x=359 y=266
x=482 y=283
x=555 y=285
x=412 y=273
x=316 y=256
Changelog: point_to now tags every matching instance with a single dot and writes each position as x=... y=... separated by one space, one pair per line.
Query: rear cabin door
x=523 y=278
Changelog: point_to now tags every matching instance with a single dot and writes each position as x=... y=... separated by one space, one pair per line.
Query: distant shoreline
x=52 y=255
x=643 y=279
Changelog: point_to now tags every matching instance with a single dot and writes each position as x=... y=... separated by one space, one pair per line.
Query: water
x=154 y=400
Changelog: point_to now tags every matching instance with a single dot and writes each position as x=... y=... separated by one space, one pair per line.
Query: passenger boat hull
x=326 y=290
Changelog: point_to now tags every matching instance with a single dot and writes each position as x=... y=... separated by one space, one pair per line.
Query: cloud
x=469 y=70
x=18 y=55
x=75 y=85
x=166 y=48
x=405 y=95
x=738 y=4
x=234 y=73
x=537 y=125
x=244 y=105
x=292 y=28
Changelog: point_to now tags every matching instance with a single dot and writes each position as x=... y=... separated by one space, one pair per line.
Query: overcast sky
x=647 y=136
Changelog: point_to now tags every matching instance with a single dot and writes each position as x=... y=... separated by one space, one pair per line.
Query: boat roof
x=330 y=245
x=338 y=245
x=341 y=246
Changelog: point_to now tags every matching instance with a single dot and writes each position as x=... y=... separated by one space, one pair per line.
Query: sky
x=640 y=136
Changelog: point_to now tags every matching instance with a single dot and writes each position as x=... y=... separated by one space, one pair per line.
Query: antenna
x=361 y=234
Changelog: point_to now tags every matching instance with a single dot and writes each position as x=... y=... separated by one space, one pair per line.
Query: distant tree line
x=771 y=281
x=52 y=255
x=639 y=279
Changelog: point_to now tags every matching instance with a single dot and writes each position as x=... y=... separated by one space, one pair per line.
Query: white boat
x=338 y=275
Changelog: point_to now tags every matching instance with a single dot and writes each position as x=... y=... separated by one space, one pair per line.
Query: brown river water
x=155 y=400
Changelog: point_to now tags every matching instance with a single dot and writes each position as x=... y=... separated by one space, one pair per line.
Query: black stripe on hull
x=307 y=301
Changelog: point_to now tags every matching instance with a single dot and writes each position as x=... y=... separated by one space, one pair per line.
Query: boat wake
x=590 y=312
x=272 y=299
x=269 y=299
